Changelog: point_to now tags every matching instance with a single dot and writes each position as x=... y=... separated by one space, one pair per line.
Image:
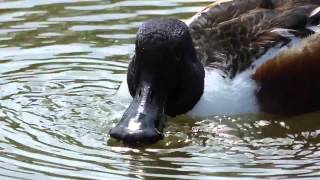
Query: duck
x=239 y=56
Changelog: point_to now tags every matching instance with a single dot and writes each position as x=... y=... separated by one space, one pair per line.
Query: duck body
x=233 y=57
x=232 y=46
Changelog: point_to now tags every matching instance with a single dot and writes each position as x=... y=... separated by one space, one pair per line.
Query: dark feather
x=230 y=35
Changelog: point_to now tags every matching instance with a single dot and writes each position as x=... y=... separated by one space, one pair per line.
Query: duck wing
x=230 y=35
x=224 y=10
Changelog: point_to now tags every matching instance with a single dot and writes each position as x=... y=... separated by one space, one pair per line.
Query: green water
x=61 y=63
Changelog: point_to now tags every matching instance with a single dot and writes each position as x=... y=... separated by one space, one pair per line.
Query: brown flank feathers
x=290 y=83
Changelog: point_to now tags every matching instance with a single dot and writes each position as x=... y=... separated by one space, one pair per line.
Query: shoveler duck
x=240 y=55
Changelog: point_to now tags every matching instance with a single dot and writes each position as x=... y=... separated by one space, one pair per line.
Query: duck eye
x=178 y=57
x=177 y=54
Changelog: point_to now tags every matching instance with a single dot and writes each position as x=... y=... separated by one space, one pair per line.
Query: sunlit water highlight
x=61 y=64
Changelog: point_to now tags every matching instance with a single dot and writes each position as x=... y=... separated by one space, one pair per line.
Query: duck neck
x=190 y=82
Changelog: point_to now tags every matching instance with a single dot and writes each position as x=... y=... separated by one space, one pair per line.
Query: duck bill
x=142 y=122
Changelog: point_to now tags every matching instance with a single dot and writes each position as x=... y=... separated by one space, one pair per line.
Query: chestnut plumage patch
x=290 y=83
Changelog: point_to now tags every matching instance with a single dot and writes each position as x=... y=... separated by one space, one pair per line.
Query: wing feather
x=230 y=35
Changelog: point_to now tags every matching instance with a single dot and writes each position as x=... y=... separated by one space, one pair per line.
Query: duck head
x=164 y=78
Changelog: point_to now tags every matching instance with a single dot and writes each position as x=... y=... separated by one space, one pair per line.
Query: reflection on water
x=61 y=63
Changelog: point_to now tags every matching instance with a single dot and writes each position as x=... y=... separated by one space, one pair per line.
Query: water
x=61 y=63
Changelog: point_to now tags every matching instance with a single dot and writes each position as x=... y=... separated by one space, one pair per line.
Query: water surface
x=61 y=63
